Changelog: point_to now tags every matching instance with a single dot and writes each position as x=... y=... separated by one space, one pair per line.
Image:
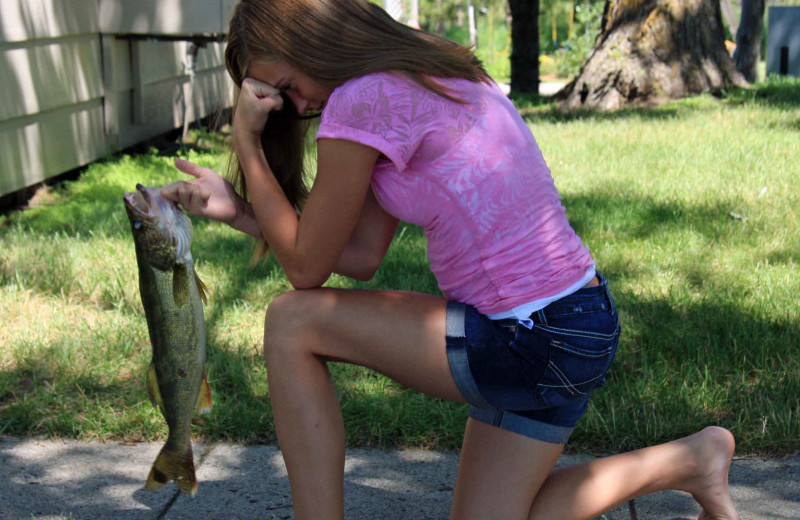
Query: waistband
x=523 y=312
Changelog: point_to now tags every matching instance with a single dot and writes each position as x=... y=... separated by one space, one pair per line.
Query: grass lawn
x=690 y=209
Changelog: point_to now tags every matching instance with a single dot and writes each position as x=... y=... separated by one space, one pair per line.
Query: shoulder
x=394 y=92
x=397 y=82
x=376 y=81
x=371 y=99
x=376 y=89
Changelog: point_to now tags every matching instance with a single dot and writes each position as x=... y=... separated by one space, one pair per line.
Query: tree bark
x=651 y=51
x=524 y=46
x=748 y=39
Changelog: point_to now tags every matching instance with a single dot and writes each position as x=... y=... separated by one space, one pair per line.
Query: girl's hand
x=256 y=100
x=207 y=195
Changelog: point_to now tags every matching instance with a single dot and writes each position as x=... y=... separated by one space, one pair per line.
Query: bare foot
x=713 y=449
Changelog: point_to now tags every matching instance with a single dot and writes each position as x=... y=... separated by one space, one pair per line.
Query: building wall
x=83 y=78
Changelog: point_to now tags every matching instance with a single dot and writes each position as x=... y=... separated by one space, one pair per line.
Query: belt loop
x=542 y=318
x=607 y=292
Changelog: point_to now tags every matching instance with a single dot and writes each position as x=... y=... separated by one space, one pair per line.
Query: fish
x=172 y=296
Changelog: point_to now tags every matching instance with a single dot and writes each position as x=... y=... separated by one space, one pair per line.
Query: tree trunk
x=524 y=46
x=748 y=39
x=651 y=51
x=439 y=26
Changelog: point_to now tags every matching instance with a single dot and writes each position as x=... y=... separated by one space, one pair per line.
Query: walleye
x=171 y=296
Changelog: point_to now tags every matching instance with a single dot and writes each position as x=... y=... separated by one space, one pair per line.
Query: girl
x=413 y=128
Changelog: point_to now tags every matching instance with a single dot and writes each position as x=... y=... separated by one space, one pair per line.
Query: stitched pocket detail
x=573 y=371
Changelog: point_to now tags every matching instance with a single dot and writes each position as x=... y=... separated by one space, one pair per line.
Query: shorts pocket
x=574 y=371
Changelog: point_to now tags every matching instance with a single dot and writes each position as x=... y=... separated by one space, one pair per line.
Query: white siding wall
x=165 y=16
x=74 y=86
x=148 y=90
x=51 y=107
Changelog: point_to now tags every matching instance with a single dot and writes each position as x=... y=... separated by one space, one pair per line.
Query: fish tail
x=171 y=465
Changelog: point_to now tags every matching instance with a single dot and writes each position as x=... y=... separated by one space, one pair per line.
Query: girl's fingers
x=204 y=194
x=194 y=196
x=170 y=191
x=187 y=194
x=278 y=99
x=260 y=89
x=199 y=197
x=263 y=91
x=183 y=195
x=189 y=168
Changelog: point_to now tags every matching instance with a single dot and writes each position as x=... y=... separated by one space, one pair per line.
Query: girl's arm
x=210 y=196
x=368 y=243
x=310 y=248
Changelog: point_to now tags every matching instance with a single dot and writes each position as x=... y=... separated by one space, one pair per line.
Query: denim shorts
x=535 y=382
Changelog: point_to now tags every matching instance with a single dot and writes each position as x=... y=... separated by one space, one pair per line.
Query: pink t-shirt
x=472 y=176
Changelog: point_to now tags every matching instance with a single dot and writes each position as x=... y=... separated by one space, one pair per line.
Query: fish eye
x=137 y=224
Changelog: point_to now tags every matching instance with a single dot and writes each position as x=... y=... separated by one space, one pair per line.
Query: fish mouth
x=147 y=205
x=139 y=202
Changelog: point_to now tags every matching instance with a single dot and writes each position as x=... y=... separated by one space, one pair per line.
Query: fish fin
x=152 y=387
x=171 y=465
x=204 y=403
x=180 y=285
x=201 y=288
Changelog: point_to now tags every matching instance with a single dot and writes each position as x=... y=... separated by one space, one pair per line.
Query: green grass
x=690 y=210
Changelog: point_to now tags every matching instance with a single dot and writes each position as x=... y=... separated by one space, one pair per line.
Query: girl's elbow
x=300 y=285
x=366 y=268
x=363 y=275
x=359 y=271
x=306 y=280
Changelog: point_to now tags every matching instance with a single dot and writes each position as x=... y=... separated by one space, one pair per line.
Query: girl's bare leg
x=697 y=464
x=401 y=335
x=501 y=473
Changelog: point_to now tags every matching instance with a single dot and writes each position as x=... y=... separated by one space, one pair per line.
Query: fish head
x=161 y=230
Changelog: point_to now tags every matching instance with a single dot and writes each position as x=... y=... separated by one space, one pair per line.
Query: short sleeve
x=381 y=111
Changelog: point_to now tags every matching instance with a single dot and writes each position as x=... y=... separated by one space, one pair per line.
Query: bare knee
x=288 y=323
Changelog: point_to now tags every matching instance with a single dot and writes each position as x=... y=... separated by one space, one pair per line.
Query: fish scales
x=177 y=334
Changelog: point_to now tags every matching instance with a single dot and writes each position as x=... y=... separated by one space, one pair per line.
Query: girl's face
x=304 y=92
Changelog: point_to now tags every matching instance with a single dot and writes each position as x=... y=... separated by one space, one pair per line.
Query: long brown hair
x=332 y=42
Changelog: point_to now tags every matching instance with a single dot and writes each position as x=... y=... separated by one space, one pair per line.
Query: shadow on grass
x=777 y=92
x=643 y=217
x=786 y=256
x=550 y=113
x=682 y=366
x=33 y=403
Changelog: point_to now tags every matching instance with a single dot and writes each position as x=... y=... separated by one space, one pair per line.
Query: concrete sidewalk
x=87 y=481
